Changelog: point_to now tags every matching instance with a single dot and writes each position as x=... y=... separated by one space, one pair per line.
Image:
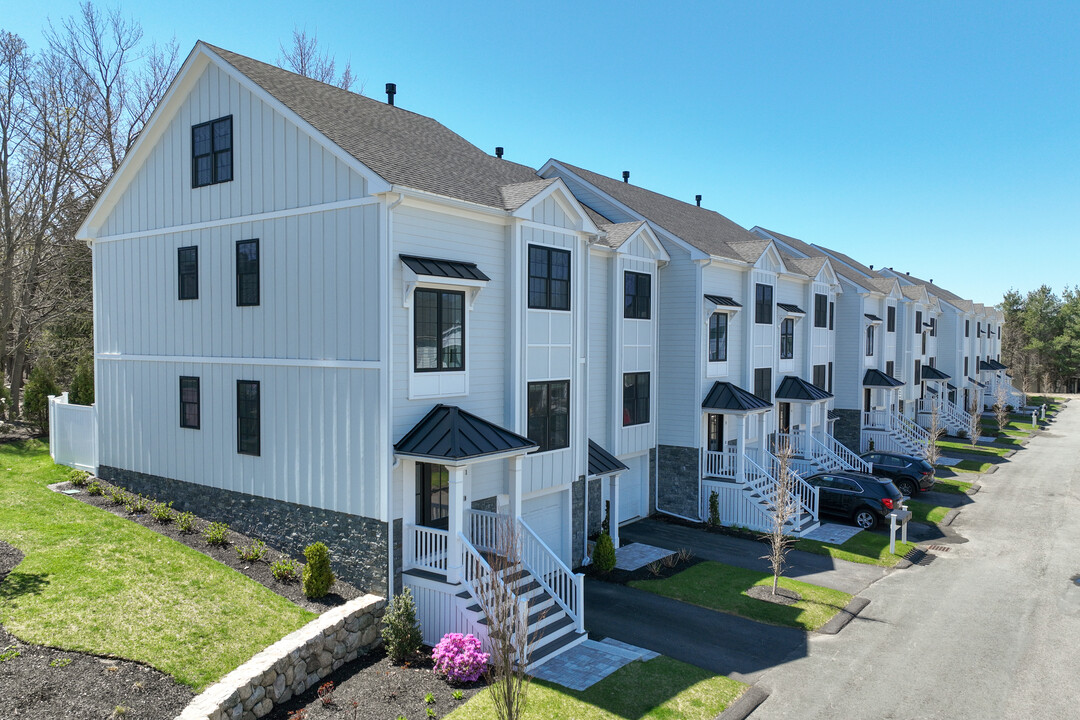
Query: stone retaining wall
x=297 y=662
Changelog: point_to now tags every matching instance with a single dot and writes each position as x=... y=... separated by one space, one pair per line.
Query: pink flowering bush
x=459 y=657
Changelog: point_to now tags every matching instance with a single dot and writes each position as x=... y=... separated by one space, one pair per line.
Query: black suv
x=909 y=474
x=863 y=499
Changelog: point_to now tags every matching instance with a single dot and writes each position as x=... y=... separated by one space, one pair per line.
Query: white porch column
x=456 y=524
x=516 y=471
x=408 y=511
x=613 y=499
x=740 y=447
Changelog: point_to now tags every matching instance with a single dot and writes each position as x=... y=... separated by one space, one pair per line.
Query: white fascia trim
x=566 y=201
x=240 y=219
x=418 y=198
x=270 y=362
x=465 y=462
x=646 y=234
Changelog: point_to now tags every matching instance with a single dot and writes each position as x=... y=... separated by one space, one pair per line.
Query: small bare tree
x=305 y=58
x=1001 y=412
x=933 y=452
x=508 y=625
x=781 y=511
x=974 y=419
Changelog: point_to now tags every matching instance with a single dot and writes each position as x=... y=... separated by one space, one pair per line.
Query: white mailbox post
x=901 y=517
x=1044 y=411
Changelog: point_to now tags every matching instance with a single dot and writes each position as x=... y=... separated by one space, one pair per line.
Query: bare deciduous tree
x=933 y=452
x=305 y=58
x=974 y=418
x=1001 y=410
x=781 y=511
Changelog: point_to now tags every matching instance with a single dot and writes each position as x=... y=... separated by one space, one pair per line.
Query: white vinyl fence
x=72 y=433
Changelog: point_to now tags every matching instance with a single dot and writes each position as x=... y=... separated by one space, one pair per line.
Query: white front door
x=632 y=484
x=546 y=515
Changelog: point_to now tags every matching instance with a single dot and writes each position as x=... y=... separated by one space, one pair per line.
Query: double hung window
x=718 y=330
x=211 y=152
x=549 y=278
x=549 y=414
x=439 y=330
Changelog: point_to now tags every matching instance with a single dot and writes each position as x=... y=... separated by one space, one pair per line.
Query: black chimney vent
x=626 y=176
x=391 y=90
x=498 y=152
x=697 y=199
x=871 y=267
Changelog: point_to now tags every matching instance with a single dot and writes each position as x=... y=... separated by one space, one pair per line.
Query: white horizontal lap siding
x=318 y=436
x=850 y=351
x=275 y=166
x=638 y=354
x=599 y=363
x=319 y=284
x=679 y=371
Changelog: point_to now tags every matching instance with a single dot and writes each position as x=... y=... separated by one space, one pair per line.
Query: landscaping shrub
x=317 y=577
x=285 y=570
x=78 y=478
x=117 y=496
x=460 y=658
x=253 y=552
x=186 y=522
x=5 y=401
x=216 y=533
x=136 y=504
x=162 y=513
x=82 y=385
x=401 y=633
x=714 y=509
x=95 y=488
x=39 y=387
x=603 y=555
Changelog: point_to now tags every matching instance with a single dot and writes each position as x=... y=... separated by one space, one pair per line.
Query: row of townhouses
x=321 y=316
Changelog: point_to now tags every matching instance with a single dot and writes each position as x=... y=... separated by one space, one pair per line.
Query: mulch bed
x=624 y=577
x=373 y=688
x=41 y=682
x=259 y=571
x=783 y=596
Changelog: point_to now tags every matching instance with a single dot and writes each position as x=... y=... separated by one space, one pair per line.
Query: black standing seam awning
x=930 y=372
x=451 y=434
x=876 y=378
x=973 y=380
x=795 y=388
x=722 y=301
x=728 y=396
x=792 y=309
x=434 y=267
x=833 y=415
x=601 y=462
x=872 y=318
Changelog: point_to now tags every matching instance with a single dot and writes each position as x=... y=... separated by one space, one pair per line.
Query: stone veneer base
x=293 y=664
x=679 y=480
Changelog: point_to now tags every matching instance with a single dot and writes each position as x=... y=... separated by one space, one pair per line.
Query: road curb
x=992 y=469
x=903 y=564
x=840 y=620
x=975 y=487
x=746 y=704
x=949 y=517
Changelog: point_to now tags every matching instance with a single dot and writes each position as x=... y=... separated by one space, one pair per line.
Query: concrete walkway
x=815 y=569
x=586 y=664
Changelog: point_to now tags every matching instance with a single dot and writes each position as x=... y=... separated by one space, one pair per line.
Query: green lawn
x=98 y=583
x=965 y=447
x=660 y=689
x=925 y=512
x=866 y=548
x=723 y=587
x=953 y=485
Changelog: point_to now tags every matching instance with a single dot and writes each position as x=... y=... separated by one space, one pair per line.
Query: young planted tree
x=936 y=430
x=974 y=419
x=1001 y=410
x=782 y=509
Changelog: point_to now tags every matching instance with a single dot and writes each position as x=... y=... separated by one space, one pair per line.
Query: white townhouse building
x=319 y=316
x=747 y=336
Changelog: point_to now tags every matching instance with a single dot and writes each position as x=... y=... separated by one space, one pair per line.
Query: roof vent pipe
x=871 y=267
x=391 y=91
x=697 y=199
x=498 y=152
x=626 y=176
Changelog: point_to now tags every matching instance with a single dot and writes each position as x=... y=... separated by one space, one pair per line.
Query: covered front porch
x=884 y=428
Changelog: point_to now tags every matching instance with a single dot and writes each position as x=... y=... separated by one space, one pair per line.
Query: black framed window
x=830 y=378
x=635 y=398
x=549 y=278
x=978 y=329
x=999 y=335
x=890 y=366
x=918 y=371
x=787 y=339
x=248 y=440
x=438 y=330
x=890 y=319
x=966 y=365
x=819 y=376
x=247 y=273
x=763 y=304
x=549 y=414
x=933 y=327
x=211 y=152
x=918 y=321
x=967 y=328
x=832 y=316
x=718 y=324
x=821 y=310
x=763 y=383
x=869 y=340
x=924 y=343
x=189 y=402
x=638 y=295
x=187 y=272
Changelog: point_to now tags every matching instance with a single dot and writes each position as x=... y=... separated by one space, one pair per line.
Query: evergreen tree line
x=1041 y=339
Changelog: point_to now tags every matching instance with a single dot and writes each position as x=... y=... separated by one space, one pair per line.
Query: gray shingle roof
x=516 y=195
x=949 y=297
x=402 y=147
x=618 y=233
x=450 y=433
x=601 y=462
x=436 y=267
x=707 y=230
x=817 y=251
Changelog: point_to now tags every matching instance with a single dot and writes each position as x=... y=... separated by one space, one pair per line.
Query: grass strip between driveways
x=952 y=485
x=866 y=548
x=925 y=512
x=94 y=582
x=660 y=689
x=722 y=587
x=966 y=448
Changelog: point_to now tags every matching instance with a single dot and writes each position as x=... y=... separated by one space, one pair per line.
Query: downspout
x=392 y=463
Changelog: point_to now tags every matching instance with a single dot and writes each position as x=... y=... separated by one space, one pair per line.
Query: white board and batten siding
x=850 y=348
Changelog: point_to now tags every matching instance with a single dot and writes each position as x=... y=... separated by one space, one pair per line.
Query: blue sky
x=941 y=138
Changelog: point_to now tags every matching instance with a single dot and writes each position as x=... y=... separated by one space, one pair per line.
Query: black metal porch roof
x=449 y=433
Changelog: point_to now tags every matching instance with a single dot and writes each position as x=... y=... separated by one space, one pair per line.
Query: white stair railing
x=843 y=455
x=910 y=433
x=805 y=495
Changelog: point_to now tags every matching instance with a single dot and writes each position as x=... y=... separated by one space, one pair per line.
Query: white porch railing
x=847 y=458
x=426 y=548
x=723 y=463
x=733 y=507
x=72 y=433
x=883 y=441
x=877 y=418
x=763 y=470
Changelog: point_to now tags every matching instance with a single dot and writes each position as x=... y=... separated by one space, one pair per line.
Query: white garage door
x=546 y=515
x=632 y=484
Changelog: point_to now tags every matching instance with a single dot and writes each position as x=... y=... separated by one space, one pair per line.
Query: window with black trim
x=549 y=278
x=821 y=310
x=933 y=327
x=763 y=304
x=635 y=398
x=549 y=414
x=638 y=295
x=869 y=340
x=248 y=440
x=718 y=331
x=438 y=330
x=918 y=372
x=890 y=366
x=830 y=377
x=787 y=339
x=211 y=152
x=967 y=328
x=247 y=272
x=832 y=316
x=918 y=321
x=187 y=272
x=819 y=376
x=890 y=319
x=763 y=383
x=189 y=402
x=966 y=366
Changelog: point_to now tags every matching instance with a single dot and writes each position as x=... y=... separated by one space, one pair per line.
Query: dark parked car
x=910 y=474
x=863 y=499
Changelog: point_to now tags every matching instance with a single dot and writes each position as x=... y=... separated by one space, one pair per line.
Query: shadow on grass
x=19 y=584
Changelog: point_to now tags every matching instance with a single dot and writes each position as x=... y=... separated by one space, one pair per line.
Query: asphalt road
x=988 y=629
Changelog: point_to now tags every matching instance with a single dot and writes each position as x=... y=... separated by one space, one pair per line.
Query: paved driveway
x=989 y=629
